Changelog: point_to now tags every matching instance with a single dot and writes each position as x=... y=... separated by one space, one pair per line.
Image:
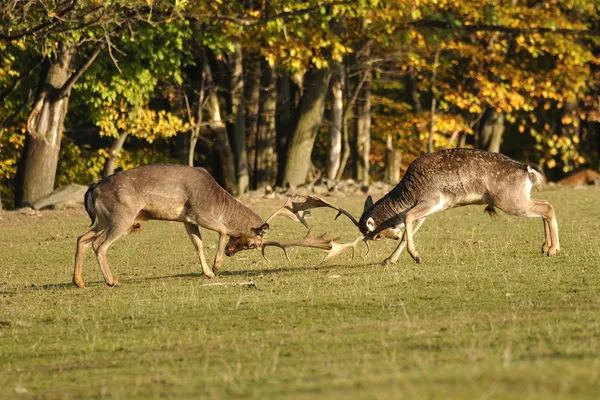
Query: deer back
x=454 y=178
x=173 y=193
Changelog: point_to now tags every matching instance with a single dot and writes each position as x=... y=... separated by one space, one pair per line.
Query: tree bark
x=311 y=110
x=393 y=159
x=237 y=109
x=288 y=95
x=37 y=169
x=265 y=170
x=337 y=111
x=363 y=130
x=430 y=147
x=222 y=145
x=252 y=107
x=113 y=155
x=491 y=130
x=196 y=129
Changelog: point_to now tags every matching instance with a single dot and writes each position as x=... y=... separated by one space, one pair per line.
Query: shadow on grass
x=198 y=275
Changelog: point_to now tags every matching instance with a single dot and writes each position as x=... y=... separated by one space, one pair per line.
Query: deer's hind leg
x=544 y=209
x=393 y=258
x=114 y=229
x=526 y=207
x=194 y=234
x=84 y=242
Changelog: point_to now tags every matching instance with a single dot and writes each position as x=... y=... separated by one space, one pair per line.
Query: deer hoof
x=418 y=260
x=388 y=261
x=79 y=283
x=552 y=251
x=114 y=283
x=545 y=248
x=210 y=275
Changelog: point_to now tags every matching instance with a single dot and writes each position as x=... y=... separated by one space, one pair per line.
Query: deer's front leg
x=393 y=258
x=194 y=234
x=416 y=213
x=220 y=252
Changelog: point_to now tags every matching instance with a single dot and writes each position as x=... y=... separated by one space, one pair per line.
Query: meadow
x=485 y=315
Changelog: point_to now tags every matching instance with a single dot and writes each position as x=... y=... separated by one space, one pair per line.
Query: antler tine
x=338 y=248
x=287 y=211
x=316 y=202
x=318 y=242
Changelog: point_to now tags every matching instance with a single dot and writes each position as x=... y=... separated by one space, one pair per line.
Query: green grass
x=485 y=315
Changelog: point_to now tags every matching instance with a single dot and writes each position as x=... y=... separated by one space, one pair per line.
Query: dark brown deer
x=117 y=203
x=448 y=179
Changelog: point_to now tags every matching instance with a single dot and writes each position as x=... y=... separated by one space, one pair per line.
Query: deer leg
x=101 y=245
x=547 y=237
x=393 y=258
x=220 y=252
x=83 y=244
x=546 y=211
x=194 y=234
x=419 y=211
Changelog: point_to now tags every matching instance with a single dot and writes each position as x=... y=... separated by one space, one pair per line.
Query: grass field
x=485 y=315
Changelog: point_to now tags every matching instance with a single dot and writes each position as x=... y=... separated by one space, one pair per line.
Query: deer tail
x=90 y=203
x=491 y=210
x=536 y=175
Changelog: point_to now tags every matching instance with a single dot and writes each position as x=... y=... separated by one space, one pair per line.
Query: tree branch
x=496 y=28
x=55 y=19
x=263 y=20
x=16 y=83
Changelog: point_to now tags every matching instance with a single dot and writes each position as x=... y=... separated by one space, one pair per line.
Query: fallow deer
x=448 y=179
x=190 y=195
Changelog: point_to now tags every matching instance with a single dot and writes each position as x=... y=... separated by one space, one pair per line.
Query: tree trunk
x=287 y=100
x=217 y=126
x=337 y=111
x=113 y=155
x=237 y=109
x=311 y=110
x=196 y=129
x=37 y=169
x=363 y=130
x=433 y=110
x=491 y=130
x=252 y=107
x=265 y=170
x=393 y=159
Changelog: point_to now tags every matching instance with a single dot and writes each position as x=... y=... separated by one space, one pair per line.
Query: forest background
x=280 y=92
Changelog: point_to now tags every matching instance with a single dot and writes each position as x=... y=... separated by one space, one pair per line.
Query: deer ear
x=262 y=230
x=368 y=203
x=370 y=224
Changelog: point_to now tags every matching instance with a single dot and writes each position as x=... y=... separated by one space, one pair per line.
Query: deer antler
x=337 y=248
x=316 y=202
x=287 y=211
x=320 y=242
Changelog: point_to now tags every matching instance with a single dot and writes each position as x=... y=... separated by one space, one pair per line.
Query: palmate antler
x=317 y=202
x=320 y=242
x=287 y=211
x=297 y=211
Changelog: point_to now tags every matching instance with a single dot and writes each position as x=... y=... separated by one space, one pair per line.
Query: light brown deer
x=117 y=203
x=448 y=179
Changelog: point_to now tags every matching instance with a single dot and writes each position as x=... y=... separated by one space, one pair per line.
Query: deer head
x=247 y=240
